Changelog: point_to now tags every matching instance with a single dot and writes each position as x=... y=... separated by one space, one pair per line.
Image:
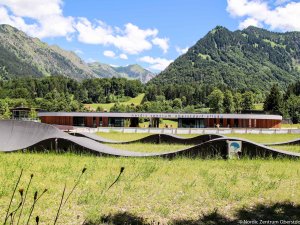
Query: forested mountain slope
x=252 y=59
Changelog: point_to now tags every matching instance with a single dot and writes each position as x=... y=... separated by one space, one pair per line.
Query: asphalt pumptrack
x=33 y=136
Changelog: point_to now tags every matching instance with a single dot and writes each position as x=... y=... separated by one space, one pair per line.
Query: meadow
x=106 y=106
x=179 y=191
x=154 y=190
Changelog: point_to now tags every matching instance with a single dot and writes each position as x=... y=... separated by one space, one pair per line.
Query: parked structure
x=24 y=113
x=106 y=119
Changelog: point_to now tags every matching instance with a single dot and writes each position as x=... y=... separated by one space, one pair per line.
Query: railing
x=188 y=130
x=26 y=119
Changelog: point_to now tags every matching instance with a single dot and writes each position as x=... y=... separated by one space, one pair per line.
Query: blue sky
x=149 y=33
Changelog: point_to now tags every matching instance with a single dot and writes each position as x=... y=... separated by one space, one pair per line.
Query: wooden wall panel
x=231 y=122
x=209 y=122
x=224 y=123
x=105 y=121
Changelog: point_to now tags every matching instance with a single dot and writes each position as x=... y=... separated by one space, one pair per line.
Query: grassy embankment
x=155 y=189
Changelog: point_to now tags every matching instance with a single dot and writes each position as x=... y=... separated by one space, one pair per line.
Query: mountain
x=130 y=72
x=252 y=58
x=21 y=55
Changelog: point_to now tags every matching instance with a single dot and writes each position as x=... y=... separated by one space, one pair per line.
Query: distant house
x=24 y=113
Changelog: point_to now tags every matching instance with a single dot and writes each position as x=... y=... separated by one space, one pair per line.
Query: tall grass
x=152 y=188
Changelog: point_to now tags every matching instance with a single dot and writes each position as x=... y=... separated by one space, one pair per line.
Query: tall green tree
x=293 y=107
x=248 y=100
x=216 y=100
x=33 y=114
x=238 y=100
x=273 y=102
x=7 y=113
x=228 y=102
x=177 y=104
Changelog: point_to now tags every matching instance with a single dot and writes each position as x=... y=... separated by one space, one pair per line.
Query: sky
x=150 y=33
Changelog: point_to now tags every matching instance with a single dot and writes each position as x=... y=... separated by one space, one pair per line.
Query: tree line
x=58 y=93
x=285 y=103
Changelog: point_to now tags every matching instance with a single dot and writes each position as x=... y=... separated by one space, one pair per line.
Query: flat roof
x=162 y=115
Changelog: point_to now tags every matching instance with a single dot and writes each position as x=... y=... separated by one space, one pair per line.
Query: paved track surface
x=154 y=138
x=19 y=135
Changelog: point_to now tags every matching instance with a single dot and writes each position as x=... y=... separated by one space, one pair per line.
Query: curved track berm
x=19 y=135
x=291 y=142
x=154 y=138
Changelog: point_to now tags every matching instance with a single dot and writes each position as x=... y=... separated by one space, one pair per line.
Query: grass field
x=180 y=191
x=259 y=106
x=266 y=138
x=136 y=101
x=117 y=136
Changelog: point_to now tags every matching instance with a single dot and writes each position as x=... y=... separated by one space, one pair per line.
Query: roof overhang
x=160 y=115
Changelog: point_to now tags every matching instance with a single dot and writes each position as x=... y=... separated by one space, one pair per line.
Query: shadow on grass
x=119 y=219
x=279 y=211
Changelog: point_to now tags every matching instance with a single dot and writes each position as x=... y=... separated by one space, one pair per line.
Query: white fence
x=188 y=130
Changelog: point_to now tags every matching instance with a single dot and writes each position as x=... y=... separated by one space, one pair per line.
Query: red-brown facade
x=207 y=120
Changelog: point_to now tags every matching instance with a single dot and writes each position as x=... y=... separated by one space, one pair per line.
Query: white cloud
x=123 y=56
x=249 y=22
x=132 y=40
x=109 y=54
x=15 y=21
x=156 y=63
x=93 y=34
x=181 y=51
x=47 y=20
x=284 y=17
x=47 y=16
x=163 y=43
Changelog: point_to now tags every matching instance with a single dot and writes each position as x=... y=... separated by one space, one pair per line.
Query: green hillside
x=252 y=59
x=21 y=55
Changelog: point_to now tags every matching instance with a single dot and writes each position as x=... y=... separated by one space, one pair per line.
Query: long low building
x=185 y=120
